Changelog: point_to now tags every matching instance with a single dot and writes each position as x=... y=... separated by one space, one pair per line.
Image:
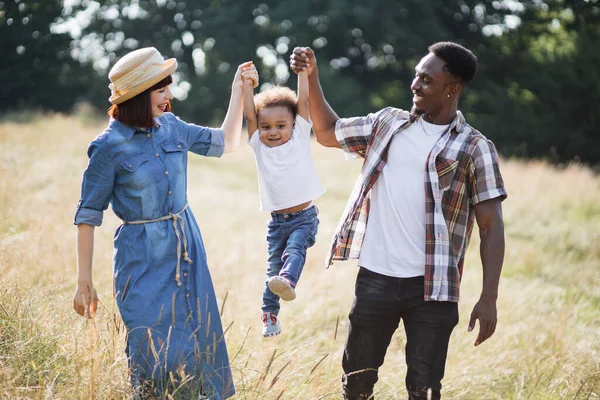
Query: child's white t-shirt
x=287 y=175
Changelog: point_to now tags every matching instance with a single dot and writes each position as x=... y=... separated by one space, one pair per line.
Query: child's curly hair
x=276 y=96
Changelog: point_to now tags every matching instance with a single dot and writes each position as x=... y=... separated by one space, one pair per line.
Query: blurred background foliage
x=537 y=93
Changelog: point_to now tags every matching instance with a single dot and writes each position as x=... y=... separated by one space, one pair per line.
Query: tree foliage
x=536 y=93
x=36 y=68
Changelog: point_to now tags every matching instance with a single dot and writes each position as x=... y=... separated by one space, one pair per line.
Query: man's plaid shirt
x=462 y=170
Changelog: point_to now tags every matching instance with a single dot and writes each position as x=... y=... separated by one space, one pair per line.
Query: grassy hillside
x=547 y=344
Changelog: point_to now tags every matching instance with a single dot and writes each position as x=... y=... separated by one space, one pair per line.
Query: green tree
x=367 y=51
x=37 y=69
x=543 y=78
x=536 y=93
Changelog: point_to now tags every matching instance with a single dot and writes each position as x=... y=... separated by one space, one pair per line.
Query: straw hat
x=137 y=71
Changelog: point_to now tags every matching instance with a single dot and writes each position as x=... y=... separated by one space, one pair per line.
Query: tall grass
x=547 y=344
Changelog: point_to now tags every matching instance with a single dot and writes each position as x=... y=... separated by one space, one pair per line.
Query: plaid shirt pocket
x=446 y=169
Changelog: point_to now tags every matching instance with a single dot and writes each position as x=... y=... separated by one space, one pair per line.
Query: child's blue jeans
x=289 y=235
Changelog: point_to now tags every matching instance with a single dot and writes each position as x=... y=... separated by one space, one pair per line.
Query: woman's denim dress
x=142 y=173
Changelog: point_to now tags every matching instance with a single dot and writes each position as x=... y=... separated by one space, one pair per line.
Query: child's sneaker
x=270 y=324
x=282 y=288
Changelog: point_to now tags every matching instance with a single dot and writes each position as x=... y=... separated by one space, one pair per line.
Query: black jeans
x=379 y=304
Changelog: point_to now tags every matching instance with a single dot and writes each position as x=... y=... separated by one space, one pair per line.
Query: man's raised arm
x=322 y=115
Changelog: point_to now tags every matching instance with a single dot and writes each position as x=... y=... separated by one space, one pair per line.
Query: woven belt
x=175 y=217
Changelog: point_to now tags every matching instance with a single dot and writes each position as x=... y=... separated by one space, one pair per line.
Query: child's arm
x=232 y=124
x=249 y=110
x=303 y=109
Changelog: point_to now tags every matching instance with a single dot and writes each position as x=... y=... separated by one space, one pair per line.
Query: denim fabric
x=289 y=235
x=380 y=303
x=143 y=175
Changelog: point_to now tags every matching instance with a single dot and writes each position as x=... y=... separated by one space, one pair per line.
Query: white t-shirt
x=287 y=175
x=394 y=243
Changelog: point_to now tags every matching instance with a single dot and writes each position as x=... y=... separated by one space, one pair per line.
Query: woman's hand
x=246 y=70
x=251 y=74
x=85 y=301
x=232 y=124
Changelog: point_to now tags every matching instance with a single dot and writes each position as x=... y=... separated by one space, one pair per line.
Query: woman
x=162 y=284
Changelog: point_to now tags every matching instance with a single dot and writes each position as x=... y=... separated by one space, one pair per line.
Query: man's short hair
x=460 y=61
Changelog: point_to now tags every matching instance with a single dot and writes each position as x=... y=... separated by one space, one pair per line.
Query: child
x=279 y=128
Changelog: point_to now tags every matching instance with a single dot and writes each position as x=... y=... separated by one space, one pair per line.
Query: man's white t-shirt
x=287 y=175
x=394 y=242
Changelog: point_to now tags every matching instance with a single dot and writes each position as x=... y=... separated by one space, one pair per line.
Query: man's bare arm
x=322 y=115
x=491 y=231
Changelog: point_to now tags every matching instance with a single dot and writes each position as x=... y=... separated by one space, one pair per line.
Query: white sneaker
x=282 y=288
x=270 y=324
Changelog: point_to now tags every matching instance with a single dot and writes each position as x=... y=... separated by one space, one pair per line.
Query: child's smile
x=275 y=125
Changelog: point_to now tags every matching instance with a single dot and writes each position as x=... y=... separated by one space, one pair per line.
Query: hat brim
x=170 y=66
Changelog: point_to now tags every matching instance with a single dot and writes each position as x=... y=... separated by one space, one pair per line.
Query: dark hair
x=276 y=96
x=137 y=111
x=460 y=61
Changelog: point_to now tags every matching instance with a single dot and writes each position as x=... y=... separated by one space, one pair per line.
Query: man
x=426 y=176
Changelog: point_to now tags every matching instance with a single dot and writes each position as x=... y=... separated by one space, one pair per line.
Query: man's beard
x=415 y=113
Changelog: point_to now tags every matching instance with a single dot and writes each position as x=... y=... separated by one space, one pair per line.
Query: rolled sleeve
x=487 y=182
x=353 y=134
x=88 y=216
x=209 y=142
x=96 y=187
x=217 y=143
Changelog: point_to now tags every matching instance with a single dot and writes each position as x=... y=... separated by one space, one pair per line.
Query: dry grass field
x=547 y=344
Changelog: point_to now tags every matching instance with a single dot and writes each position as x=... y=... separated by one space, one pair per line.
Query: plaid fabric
x=462 y=170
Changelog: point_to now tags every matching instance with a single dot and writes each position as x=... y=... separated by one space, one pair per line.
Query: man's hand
x=303 y=59
x=485 y=312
